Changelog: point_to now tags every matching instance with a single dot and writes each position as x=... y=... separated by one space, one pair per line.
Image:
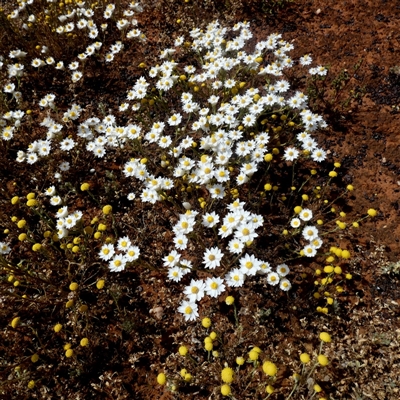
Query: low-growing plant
x=207 y=176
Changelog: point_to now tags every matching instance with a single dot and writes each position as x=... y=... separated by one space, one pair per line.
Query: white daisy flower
x=62 y=212
x=175 y=120
x=242 y=179
x=210 y=219
x=99 y=151
x=235 y=278
x=214 y=286
x=305 y=214
x=171 y=259
x=164 y=142
x=67 y=144
x=195 y=291
x=249 y=265
x=216 y=85
x=55 y=200
x=216 y=191
x=282 y=270
x=73 y=66
x=117 y=264
x=291 y=154
x=212 y=258
x=76 y=76
x=60 y=222
x=316 y=243
x=310 y=232
x=295 y=223
x=273 y=278
x=246 y=233
x=175 y=273
x=235 y=246
x=179 y=40
x=318 y=155
x=184 y=226
x=70 y=221
x=64 y=166
x=106 y=252
x=213 y=99
x=249 y=120
x=186 y=266
x=62 y=233
x=124 y=243
x=78 y=215
x=309 y=251
x=132 y=253
x=285 y=285
x=50 y=191
x=264 y=267
x=180 y=241
x=32 y=158
x=4 y=248
x=305 y=60
x=189 y=309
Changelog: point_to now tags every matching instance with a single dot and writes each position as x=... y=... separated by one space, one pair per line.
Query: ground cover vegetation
x=162 y=231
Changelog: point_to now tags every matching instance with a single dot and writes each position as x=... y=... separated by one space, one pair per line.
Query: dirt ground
x=360 y=42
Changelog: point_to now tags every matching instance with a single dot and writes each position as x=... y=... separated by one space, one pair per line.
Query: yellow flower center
x=188 y=310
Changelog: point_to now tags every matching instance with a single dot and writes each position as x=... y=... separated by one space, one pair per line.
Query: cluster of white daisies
x=218 y=118
x=85 y=21
x=240 y=224
x=121 y=254
x=214 y=286
x=42 y=147
x=309 y=232
x=118 y=256
x=66 y=222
